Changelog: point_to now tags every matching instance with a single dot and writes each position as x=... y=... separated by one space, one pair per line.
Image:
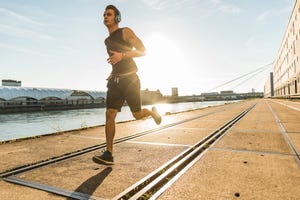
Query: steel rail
x=150 y=185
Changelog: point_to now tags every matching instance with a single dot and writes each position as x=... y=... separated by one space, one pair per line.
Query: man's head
x=112 y=9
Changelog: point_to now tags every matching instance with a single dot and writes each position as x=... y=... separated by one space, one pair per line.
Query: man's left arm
x=131 y=38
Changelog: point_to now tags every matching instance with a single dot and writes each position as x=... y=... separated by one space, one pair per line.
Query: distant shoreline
x=46 y=107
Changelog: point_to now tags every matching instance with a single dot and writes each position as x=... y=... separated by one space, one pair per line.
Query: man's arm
x=131 y=38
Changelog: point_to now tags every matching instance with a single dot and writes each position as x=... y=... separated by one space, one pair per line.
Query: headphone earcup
x=118 y=18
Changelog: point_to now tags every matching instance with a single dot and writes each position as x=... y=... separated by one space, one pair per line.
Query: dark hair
x=117 y=12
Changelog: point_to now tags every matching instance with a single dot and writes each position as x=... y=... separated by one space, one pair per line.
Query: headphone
x=118 y=16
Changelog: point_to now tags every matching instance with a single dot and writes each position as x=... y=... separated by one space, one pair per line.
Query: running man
x=123 y=83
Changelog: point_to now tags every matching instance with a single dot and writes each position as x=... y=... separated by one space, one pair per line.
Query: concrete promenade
x=255 y=159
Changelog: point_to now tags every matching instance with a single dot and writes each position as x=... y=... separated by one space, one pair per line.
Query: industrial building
x=286 y=69
x=24 y=99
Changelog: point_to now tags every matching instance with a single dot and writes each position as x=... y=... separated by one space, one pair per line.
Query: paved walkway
x=254 y=160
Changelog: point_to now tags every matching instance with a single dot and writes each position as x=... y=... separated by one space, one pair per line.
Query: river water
x=16 y=126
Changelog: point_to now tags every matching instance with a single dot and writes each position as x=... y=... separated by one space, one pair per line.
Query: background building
x=12 y=83
x=27 y=99
x=286 y=68
x=269 y=86
x=175 y=92
x=151 y=97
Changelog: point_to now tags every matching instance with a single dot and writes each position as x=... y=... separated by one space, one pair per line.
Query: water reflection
x=14 y=126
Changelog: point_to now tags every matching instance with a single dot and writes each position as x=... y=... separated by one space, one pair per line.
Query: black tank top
x=115 y=42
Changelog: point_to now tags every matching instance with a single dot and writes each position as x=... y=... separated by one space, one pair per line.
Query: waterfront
x=16 y=126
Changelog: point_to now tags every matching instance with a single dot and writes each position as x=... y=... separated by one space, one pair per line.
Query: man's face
x=109 y=17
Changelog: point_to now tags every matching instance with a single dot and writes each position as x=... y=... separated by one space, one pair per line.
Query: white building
x=286 y=66
x=16 y=99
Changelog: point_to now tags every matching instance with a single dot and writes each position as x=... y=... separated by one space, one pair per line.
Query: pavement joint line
x=197 y=129
x=285 y=134
x=252 y=131
x=159 y=144
x=289 y=106
x=251 y=151
x=136 y=125
x=56 y=190
x=293 y=102
x=294 y=132
x=89 y=137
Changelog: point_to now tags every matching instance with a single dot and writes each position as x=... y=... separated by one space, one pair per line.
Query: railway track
x=156 y=183
x=151 y=186
x=67 y=156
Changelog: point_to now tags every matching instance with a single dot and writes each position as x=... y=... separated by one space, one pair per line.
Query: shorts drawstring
x=116 y=79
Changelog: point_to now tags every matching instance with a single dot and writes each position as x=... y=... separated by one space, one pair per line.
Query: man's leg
x=110 y=128
x=132 y=95
x=146 y=113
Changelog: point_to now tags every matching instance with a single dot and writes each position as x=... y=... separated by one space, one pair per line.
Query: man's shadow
x=88 y=187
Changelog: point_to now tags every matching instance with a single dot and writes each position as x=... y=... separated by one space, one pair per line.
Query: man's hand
x=115 y=57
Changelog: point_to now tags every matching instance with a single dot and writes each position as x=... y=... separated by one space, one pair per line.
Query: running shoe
x=156 y=116
x=105 y=158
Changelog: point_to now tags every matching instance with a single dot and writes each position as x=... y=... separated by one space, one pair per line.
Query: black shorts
x=121 y=89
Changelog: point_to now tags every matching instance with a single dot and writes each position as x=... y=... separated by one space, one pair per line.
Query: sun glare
x=164 y=64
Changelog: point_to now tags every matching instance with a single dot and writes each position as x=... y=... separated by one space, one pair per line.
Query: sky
x=194 y=45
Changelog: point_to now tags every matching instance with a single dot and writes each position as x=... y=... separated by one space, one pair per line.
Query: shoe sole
x=157 y=120
x=157 y=117
x=101 y=161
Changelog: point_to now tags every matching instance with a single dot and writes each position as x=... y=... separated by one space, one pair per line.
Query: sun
x=164 y=64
